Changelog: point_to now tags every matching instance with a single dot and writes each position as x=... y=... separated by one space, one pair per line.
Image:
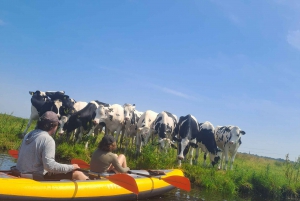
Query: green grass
x=251 y=175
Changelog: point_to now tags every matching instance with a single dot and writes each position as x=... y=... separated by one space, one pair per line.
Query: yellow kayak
x=14 y=188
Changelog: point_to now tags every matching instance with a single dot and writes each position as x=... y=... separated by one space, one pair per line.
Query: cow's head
x=184 y=146
x=215 y=157
x=144 y=134
x=165 y=144
x=128 y=111
x=38 y=96
x=235 y=135
x=63 y=121
x=101 y=114
x=67 y=107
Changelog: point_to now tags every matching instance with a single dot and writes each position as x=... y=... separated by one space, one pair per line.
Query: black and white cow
x=113 y=117
x=144 y=129
x=131 y=116
x=228 y=138
x=42 y=102
x=77 y=107
x=81 y=120
x=164 y=126
x=185 y=134
x=197 y=136
x=206 y=141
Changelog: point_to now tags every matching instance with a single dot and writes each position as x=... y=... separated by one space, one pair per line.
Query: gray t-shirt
x=101 y=161
x=37 y=155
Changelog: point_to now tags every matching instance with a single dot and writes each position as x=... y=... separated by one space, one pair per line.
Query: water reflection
x=6 y=161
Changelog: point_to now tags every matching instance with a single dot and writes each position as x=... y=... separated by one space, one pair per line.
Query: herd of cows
x=186 y=133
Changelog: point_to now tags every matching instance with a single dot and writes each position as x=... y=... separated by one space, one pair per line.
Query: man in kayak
x=37 y=153
x=104 y=160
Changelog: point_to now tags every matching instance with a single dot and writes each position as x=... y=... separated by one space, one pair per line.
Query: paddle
x=13 y=153
x=123 y=180
x=177 y=181
x=81 y=163
x=5 y=170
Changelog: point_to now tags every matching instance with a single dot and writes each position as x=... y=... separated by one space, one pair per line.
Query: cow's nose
x=180 y=157
x=126 y=118
x=94 y=122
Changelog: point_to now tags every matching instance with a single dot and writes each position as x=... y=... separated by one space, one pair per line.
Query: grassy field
x=251 y=175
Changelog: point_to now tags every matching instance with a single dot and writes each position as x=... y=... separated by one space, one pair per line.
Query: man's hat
x=50 y=116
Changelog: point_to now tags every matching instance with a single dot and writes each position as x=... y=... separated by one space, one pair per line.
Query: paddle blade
x=178 y=181
x=81 y=163
x=13 y=153
x=125 y=181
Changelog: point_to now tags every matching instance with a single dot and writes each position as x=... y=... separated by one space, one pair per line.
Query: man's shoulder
x=44 y=135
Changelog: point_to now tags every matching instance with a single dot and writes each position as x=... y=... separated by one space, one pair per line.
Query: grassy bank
x=251 y=175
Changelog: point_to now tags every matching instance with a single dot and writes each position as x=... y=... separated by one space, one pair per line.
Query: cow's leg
x=191 y=153
x=179 y=163
x=204 y=158
x=138 y=143
x=117 y=138
x=221 y=161
x=96 y=130
x=232 y=159
x=195 y=161
x=122 y=135
x=78 y=134
x=127 y=140
x=33 y=116
x=28 y=125
x=69 y=135
x=107 y=131
x=133 y=139
x=226 y=158
x=91 y=133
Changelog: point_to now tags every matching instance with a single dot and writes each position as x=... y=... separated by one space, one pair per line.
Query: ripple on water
x=6 y=161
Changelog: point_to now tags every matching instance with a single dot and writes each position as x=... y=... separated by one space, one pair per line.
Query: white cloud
x=171 y=91
x=176 y=93
x=293 y=38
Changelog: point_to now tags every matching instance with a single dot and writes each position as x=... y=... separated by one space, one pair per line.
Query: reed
x=251 y=175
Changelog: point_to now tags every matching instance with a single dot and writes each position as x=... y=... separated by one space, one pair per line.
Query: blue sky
x=228 y=62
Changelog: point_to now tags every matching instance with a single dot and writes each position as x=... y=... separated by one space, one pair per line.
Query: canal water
x=195 y=194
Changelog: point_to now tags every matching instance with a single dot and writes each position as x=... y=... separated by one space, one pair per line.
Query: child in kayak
x=104 y=160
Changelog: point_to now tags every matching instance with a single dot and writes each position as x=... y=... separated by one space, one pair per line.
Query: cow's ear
x=193 y=145
x=242 y=132
x=31 y=92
